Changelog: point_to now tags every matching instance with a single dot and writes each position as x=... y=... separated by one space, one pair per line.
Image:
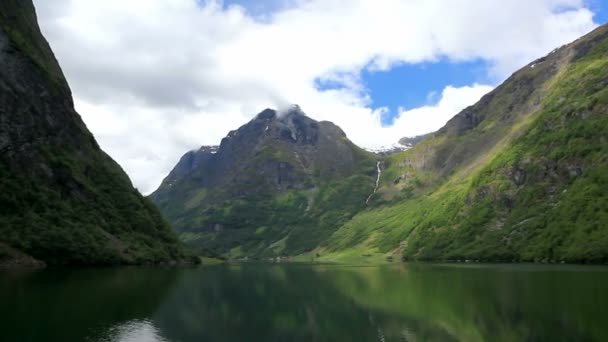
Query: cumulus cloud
x=155 y=78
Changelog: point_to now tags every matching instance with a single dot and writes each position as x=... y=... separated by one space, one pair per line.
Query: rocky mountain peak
x=212 y=149
x=266 y=114
x=279 y=114
x=293 y=110
x=290 y=125
x=281 y=161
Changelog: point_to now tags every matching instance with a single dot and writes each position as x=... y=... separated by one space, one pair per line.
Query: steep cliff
x=62 y=199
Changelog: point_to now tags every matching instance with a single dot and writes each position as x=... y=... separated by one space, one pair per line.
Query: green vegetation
x=62 y=199
x=519 y=176
x=536 y=194
x=18 y=21
x=278 y=186
x=97 y=218
x=207 y=261
x=267 y=224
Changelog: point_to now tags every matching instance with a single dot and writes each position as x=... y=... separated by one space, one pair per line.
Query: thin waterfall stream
x=377 y=182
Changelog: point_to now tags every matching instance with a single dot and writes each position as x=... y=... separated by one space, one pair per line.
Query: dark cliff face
x=278 y=152
x=275 y=155
x=62 y=199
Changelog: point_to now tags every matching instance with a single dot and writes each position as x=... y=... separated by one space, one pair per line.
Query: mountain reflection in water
x=260 y=302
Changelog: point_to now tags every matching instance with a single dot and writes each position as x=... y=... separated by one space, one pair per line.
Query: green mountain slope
x=522 y=175
x=519 y=176
x=279 y=185
x=62 y=199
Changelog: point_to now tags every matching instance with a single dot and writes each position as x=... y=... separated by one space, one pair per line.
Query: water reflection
x=133 y=331
x=405 y=302
x=77 y=304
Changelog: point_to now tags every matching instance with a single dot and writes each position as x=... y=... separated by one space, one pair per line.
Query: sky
x=153 y=79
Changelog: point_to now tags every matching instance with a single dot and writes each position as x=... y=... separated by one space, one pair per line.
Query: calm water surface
x=248 y=302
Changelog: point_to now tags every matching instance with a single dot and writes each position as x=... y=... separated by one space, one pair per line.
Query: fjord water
x=256 y=302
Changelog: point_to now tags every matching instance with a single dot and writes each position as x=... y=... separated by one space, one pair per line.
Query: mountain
x=403 y=145
x=410 y=142
x=62 y=199
x=280 y=184
x=387 y=150
x=519 y=176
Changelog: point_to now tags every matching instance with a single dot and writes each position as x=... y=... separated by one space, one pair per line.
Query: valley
x=515 y=177
x=489 y=222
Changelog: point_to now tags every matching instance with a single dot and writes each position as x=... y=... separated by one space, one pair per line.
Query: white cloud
x=155 y=78
x=430 y=118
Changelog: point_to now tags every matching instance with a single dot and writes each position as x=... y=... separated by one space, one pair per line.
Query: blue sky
x=416 y=85
x=409 y=86
x=600 y=8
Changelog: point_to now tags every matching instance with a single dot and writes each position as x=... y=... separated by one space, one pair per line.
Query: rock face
x=62 y=199
x=272 y=174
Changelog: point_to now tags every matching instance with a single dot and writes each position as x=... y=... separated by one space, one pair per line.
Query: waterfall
x=377 y=182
